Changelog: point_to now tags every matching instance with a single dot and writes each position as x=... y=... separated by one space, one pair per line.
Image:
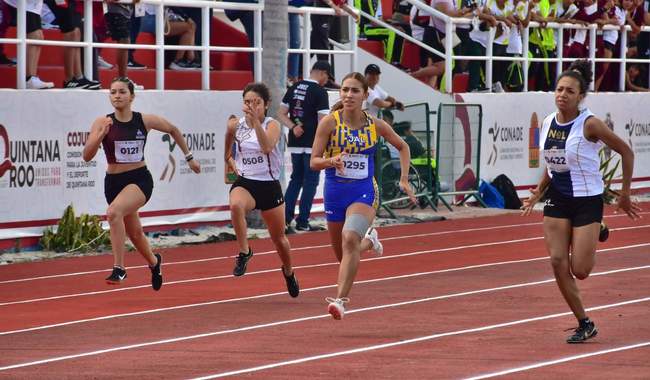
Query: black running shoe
x=117 y=276
x=292 y=284
x=156 y=274
x=288 y=230
x=583 y=332
x=308 y=227
x=74 y=84
x=90 y=84
x=604 y=233
x=240 y=263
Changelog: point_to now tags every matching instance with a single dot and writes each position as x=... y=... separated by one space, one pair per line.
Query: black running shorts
x=66 y=17
x=580 y=210
x=33 y=20
x=115 y=183
x=267 y=194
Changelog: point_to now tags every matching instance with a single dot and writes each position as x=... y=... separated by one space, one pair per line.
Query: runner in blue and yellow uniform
x=345 y=145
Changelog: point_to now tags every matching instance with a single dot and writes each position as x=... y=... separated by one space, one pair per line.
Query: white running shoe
x=373 y=236
x=102 y=64
x=336 y=306
x=35 y=83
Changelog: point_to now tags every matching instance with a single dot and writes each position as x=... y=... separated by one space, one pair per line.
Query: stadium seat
x=375 y=48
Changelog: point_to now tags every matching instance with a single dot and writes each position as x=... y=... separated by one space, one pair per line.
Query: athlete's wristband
x=189 y=157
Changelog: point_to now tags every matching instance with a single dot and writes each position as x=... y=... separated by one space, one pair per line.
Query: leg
x=127 y=202
x=33 y=53
x=294 y=43
x=309 y=185
x=293 y=189
x=557 y=235
x=351 y=247
x=335 y=230
x=583 y=253
x=274 y=219
x=137 y=237
x=122 y=58
x=241 y=202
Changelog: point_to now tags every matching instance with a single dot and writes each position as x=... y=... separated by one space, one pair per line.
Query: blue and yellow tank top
x=360 y=146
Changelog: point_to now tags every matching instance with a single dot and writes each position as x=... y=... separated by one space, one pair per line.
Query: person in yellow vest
x=542 y=44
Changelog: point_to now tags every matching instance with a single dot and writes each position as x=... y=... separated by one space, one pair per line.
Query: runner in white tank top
x=571 y=139
x=256 y=159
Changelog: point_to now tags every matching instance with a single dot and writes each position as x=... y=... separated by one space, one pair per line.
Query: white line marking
x=303 y=248
x=371 y=308
x=558 y=361
x=179 y=307
x=409 y=341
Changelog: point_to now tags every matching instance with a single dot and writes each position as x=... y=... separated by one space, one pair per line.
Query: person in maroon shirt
x=588 y=14
x=128 y=183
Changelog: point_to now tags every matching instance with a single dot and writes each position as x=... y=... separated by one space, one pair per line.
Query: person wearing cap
x=377 y=97
x=303 y=106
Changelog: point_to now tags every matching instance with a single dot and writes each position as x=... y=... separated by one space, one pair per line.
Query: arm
x=351 y=12
x=395 y=103
x=229 y=139
x=161 y=124
x=98 y=131
x=630 y=86
x=387 y=132
x=323 y=132
x=595 y=129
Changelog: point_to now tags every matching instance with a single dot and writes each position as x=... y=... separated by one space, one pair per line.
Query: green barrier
x=414 y=127
x=458 y=153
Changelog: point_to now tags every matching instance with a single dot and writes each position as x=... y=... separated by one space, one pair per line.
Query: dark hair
x=354 y=75
x=260 y=89
x=579 y=70
x=129 y=83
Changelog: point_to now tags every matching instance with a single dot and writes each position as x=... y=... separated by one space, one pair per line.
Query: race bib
x=556 y=160
x=355 y=166
x=254 y=162
x=129 y=151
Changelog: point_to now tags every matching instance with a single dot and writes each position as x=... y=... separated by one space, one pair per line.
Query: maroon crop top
x=125 y=141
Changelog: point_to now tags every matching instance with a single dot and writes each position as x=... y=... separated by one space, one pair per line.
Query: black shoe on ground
x=90 y=84
x=604 y=233
x=288 y=230
x=117 y=276
x=586 y=330
x=308 y=227
x=292 y=284
x=6 y=61
x=133 y=65
x=74 y=84
x=156 y=274
x=240 y=263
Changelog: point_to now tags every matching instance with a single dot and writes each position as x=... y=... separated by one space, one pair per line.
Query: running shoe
x=586 y=330
x=336 y=307
x=241 y=262
x=117 y=276
x=156 y=273
x=292 y=284
x=308 y=227
x=373 y=236
x=604 y=233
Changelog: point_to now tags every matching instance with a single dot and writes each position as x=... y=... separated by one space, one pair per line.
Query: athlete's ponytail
x=581 y=71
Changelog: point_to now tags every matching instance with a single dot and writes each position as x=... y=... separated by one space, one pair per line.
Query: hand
x=405 y=186
x=232 y=165
x=337 y=162
x=252 y=117
x=631 y=209
x=399 y=105
x=105 y=126
x=529 y=203
x=298 y=130
x=195 y=166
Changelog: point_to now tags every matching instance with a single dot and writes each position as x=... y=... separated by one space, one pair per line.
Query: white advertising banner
x=511 y=125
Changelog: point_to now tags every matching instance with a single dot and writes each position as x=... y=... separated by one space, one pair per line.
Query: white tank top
x=252 y=162
x=572 y=161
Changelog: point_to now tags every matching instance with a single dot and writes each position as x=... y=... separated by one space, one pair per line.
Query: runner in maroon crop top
x=128 y=183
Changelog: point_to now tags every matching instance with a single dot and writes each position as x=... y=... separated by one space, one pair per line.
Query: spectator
x=578 y=43
x=393 y=43
x=634 y=78
x=247 y=19
x=481 y=24
x=175 y=25
x=612 y=15
x=293 y=66
x=521 y=17
x=502 y=12
x=69 y=22
x=321 y=24
x=136 y=26
x=542 y=44
x=377 y=97
x=118 y=23
x=303 y=106
x=4 y=24
x=34 y=32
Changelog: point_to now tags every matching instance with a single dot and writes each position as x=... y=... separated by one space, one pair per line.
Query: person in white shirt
x=257 y=159
x=571 y=139
x=377 y=97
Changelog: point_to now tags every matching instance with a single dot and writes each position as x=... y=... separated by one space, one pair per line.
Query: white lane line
x=559 y=361
x=371 y=308
x=304 y=248
x=409 y=341
x=385 y=257
x=268 y=252
x=357 y=283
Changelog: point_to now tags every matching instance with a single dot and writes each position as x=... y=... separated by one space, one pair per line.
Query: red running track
x=451 y=299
